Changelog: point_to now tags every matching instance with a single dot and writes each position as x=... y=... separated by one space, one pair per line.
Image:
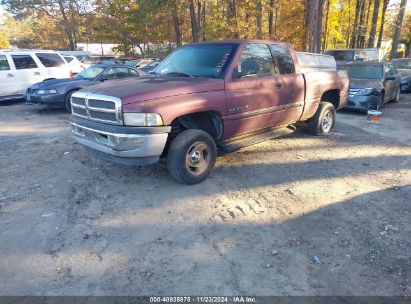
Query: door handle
x=36 y=73
x=278 y=85
x=10 y=75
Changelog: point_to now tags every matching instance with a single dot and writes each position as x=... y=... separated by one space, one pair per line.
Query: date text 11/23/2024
x=206 y=299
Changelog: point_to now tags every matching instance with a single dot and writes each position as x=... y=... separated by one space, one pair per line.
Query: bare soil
x=301 y=215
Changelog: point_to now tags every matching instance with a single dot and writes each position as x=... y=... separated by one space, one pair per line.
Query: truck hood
x=365 y=83
x=134 y=90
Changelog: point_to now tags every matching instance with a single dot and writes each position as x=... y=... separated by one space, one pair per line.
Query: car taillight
x=72 y=74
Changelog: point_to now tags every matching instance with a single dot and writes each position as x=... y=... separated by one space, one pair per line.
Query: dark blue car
x=57 y=92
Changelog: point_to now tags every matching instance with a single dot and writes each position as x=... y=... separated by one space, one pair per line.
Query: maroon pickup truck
x=203 y=97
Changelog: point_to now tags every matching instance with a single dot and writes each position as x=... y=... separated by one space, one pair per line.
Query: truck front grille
x=97 y=107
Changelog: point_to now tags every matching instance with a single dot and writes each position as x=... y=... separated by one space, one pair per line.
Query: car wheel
x=397 y=97
x=191 y=156
x=67 y=104
x=323 y=122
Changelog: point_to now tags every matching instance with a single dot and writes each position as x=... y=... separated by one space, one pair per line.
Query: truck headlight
x=142 y=119
x=44 y=92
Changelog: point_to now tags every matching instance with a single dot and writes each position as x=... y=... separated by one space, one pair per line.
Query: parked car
x=21 y=69
x=88 y=61
x=57 y=93
x=140 y=63
x=372 y=84
x=226 y=94
x=403 y=66
x=149 y=67
x=74 y=64
x=347 y=55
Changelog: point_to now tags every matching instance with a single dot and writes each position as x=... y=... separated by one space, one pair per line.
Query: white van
x=21 y=69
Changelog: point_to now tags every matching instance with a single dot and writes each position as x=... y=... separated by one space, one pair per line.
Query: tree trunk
x=67 y=28
x=204 y=22
x=232 y=17
x=194 y=28
x=358 y=6
x=384 y=10
x=361 y=26
x=259 y=19
x=177 y=26
x=374 y=21
x=408 y=49
x=319 y=30
x=271 y=19
x=311 y=18
x=397 y=32
x=327 y=12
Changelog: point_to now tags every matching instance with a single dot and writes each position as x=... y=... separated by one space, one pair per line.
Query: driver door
x=254 y=92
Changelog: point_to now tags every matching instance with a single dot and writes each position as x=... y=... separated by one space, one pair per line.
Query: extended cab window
x=256 y=60
x=50 y=60
x=24 y=62
x=283 y=59
x=4 y=64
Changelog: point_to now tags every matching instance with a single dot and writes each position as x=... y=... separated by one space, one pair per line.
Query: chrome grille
x=353 y=92
x=97 y=107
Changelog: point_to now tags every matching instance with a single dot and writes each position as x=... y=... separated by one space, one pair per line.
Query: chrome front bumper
x=125 y=148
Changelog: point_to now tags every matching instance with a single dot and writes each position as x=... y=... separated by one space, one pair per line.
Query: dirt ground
x=301 y=215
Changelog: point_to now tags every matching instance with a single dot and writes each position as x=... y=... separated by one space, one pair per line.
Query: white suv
x=21 y=69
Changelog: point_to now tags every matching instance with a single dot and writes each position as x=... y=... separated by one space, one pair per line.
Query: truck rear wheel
x=323 y=122
x=191 y=156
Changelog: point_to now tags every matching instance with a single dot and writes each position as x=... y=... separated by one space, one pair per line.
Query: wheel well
x=332 y=96
x=208 y=121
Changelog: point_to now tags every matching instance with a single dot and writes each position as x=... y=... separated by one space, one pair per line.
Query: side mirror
x=390 y=78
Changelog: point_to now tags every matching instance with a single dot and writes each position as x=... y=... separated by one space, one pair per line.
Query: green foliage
x=142 y=23
x=4 y=41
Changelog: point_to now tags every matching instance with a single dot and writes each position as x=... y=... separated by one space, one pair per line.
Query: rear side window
x=255 y=61
x=4 y=64
x=116 y=73
x=388 y=71
x=68 y=59
x=283 y=59
x=24 y=62
x=50 y=60
x=133 y=73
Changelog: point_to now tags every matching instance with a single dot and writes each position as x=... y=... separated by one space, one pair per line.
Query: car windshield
x=341 y=55
x=363 y=71
x=402 y=64
x=89 y=73
x=204 y=60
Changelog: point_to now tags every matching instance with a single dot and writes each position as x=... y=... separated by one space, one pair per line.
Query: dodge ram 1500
x=203 y=97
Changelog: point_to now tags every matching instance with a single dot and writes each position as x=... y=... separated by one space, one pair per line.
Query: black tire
x=397 y=97
x=67 y=104
x=316 y=124
x=186 y=170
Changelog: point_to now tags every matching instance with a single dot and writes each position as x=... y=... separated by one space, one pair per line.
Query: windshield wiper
x=178 y=74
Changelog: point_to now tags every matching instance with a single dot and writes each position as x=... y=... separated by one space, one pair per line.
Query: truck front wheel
x=323 y=122
x=191 y=156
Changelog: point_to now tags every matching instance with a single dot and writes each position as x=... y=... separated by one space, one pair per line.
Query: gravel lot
x=296 y=216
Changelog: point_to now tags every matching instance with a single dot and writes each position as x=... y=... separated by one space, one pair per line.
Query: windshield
x=364 y=71
x=89 y=73
x=341 y=55
x=402 y=64
x=204 y=60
